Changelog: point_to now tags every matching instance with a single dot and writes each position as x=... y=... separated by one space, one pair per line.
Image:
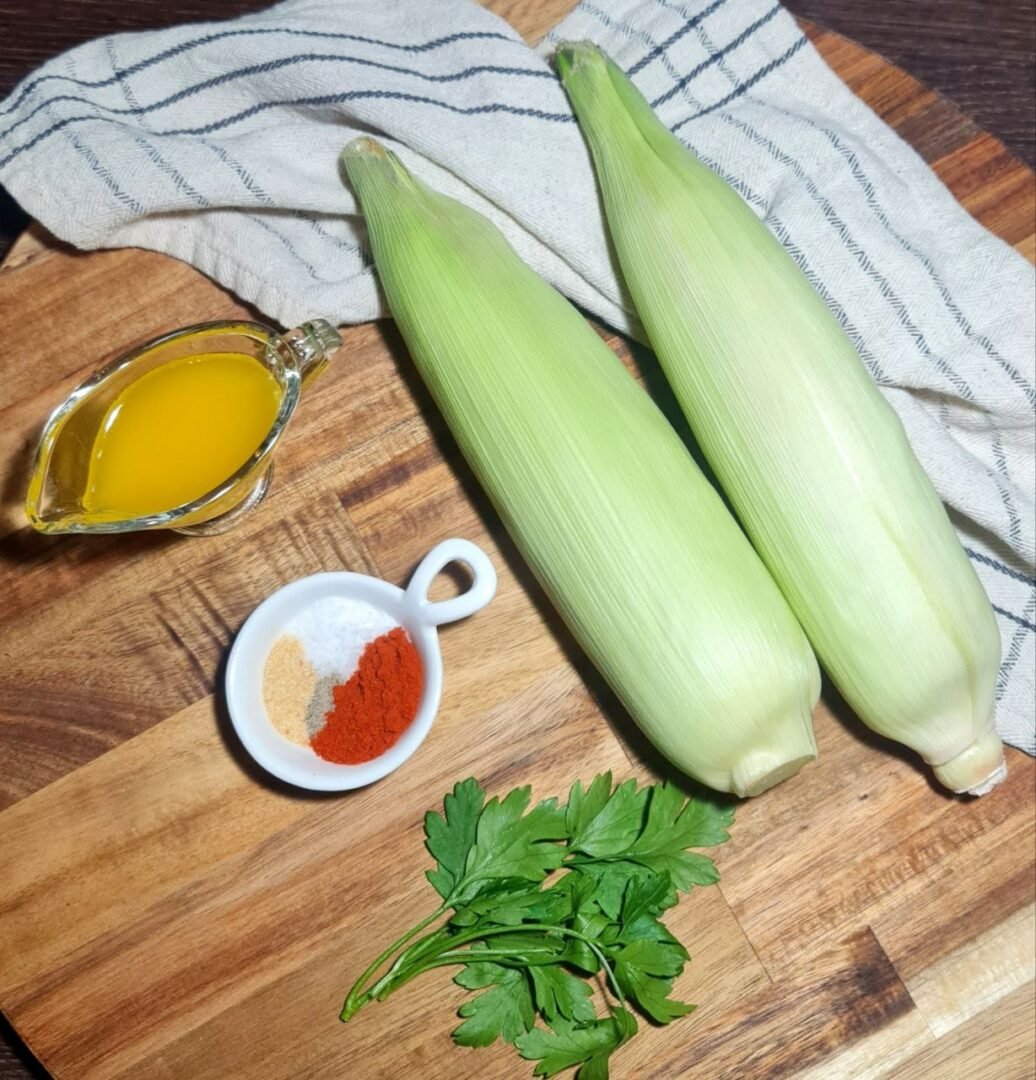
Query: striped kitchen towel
x=218 y=143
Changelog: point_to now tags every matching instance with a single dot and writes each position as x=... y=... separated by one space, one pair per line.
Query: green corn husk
x=633 y=545
x=812 y=457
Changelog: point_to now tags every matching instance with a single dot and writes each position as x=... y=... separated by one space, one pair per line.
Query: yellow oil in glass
x=178 y=432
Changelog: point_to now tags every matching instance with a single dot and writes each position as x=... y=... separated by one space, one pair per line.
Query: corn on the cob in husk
x=634 y=546
x=813 y=459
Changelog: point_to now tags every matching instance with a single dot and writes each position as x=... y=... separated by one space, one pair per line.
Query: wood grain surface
x=168 y=912
x=980 y=54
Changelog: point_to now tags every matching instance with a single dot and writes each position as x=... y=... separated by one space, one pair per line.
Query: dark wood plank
x=978 y=53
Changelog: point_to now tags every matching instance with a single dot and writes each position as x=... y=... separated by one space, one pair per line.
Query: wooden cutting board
x=168 y=912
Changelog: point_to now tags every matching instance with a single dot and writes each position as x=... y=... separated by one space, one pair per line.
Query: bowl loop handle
x=474 y=598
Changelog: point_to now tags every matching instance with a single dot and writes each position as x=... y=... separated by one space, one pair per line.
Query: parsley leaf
x=559 y=993
x=647 y=894
x=451 y=837
x=674 y=824
x=595 y=1068
x=602 y=824
x=510 y=845
x=582 y=806
x=586 y=919
x=511 y=901
x=662 y=958
x=567 y=1045
x=611 y=879
x=504 y=1011
x=592 y=926
x=650 y=992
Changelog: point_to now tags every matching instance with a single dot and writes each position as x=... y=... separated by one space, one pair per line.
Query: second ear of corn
x=631 y=542
x=813 y=459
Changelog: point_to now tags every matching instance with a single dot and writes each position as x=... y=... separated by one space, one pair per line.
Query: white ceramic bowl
x=411 y=608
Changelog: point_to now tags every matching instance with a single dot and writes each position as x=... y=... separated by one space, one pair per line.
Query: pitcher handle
x=312 y=344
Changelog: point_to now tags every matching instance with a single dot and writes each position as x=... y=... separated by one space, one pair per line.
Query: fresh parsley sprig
x=536 y=901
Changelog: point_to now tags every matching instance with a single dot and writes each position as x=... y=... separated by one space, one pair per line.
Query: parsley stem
x=355 y=998
x=553 y=929
x=399 y=974
x=469 y=956
x=427 y=944
x=409 y=957
x=453 y=956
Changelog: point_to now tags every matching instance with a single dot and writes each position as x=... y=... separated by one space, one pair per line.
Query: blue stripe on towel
x=199 y=200
x=977 y=556
x=323 y=99
x=1014 y=652
x=186 y=46
x=715 y=57
x=261 y=69
x=846 y=153
x=105 y=176
x=658 y=50
x=1015 y=618
x=744 y=87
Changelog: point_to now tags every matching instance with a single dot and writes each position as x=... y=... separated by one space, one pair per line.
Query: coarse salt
x=334 y=632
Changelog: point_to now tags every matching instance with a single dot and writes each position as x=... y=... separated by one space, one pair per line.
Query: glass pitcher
x=57 y=485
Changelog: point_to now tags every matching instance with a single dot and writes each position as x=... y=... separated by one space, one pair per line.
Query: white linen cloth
x=218 y=143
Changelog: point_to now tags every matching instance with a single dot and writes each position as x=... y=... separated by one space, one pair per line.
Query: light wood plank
x=979 y=974
x=997 y=1044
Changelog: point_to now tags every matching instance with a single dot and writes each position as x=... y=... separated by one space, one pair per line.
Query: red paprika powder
x=378 y=703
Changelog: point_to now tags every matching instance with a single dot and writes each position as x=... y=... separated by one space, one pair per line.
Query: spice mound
x=343 y=678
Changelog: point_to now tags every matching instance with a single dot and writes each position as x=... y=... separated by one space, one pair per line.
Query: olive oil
x=177 y=432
